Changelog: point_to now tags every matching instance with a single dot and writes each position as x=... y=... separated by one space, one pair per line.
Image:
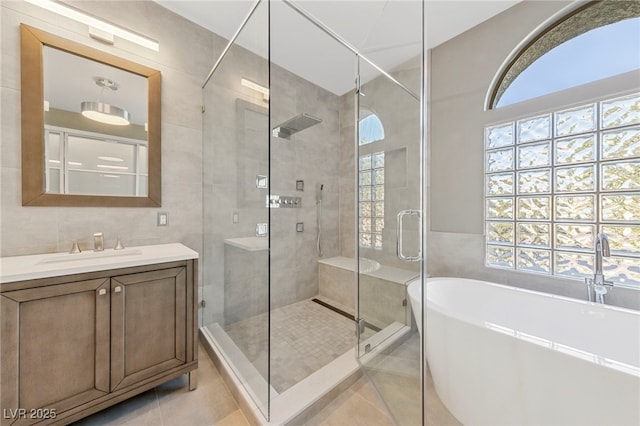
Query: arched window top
x=599 y=40
x=370 y=127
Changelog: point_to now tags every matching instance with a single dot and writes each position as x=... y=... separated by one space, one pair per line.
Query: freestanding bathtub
x=502 y=355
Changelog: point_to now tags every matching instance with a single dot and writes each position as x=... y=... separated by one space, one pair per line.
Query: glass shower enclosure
x=305 y=176
x=235 y=264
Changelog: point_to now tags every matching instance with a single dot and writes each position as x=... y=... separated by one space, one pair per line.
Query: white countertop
x=19 y=268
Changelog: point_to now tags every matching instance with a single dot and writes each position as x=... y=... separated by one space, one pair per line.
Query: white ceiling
x=388 y=32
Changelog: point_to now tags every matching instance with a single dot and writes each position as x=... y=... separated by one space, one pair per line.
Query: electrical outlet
x=163 y=219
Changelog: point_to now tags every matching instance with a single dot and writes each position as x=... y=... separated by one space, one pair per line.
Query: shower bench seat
x=383 y=289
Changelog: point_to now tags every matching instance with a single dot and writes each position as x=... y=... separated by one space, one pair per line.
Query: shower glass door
x=389 y=187
x=235 y=260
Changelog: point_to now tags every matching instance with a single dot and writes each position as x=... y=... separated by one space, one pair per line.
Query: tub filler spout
x=598 y=287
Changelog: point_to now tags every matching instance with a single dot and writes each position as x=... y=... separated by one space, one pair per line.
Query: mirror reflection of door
x=95 y=127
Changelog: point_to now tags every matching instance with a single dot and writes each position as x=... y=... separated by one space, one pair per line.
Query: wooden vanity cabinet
x=76 y=344
x=55 y=346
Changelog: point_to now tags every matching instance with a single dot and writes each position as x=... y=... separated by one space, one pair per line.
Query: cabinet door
x=55 y=345
x=148 y=324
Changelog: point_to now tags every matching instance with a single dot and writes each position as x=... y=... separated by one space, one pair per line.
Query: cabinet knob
x=118 y=289
x=102 y=292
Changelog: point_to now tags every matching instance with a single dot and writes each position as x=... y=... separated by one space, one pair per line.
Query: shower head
x=294 y=125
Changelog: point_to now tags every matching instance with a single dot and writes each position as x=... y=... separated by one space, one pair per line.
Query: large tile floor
x=172 y=404
x=211 y=404
x=393 y=373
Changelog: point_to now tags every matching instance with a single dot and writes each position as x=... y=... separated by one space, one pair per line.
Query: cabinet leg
x=193 y=379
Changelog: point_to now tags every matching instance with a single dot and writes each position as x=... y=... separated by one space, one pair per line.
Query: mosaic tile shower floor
x=305 y=336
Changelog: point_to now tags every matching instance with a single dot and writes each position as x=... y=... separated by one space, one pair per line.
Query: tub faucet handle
x=597 y=288
x=119 y=245
x=75 y=248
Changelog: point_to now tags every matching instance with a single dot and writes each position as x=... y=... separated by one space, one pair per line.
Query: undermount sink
x=19 y=268
x=89 y=255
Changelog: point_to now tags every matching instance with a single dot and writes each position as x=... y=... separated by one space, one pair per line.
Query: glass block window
x=371 y=199
x=553 y=181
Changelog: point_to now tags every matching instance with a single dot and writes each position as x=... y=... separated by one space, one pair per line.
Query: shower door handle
x=400 y=231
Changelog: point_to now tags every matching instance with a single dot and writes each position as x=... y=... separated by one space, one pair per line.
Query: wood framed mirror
x=71 y=160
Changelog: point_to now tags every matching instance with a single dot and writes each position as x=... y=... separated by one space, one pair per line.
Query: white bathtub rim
x=537 y=293
x=620 y=366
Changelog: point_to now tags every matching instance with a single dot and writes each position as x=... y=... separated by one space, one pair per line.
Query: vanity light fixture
x=99 y=24
x=103 y=112
x=255 y=86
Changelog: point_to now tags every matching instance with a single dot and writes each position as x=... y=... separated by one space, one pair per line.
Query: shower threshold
x=302 y=400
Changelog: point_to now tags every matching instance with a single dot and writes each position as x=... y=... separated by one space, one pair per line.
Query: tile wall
x=236 y=150
x=27 y=230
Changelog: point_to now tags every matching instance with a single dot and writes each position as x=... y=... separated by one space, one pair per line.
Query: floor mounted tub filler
x=503 y=355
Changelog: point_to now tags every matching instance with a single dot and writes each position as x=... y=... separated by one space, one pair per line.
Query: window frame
x=570 y=22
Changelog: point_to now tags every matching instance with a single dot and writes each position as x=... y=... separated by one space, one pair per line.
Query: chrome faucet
x=597 y=287
x=98 y=241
